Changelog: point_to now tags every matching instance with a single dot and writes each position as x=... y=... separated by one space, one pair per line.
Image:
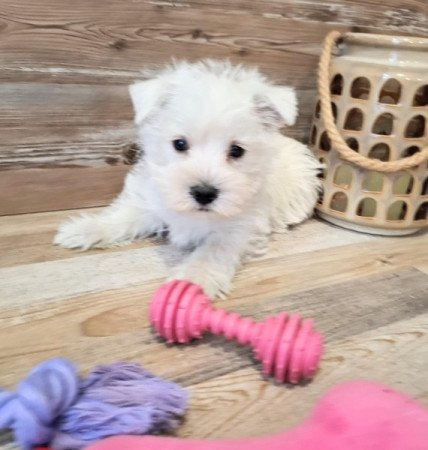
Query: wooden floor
x=368 y=295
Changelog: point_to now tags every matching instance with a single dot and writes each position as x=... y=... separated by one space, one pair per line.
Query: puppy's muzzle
x=204 y=194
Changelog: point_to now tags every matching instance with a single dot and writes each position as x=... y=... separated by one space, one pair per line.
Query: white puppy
x=215 y=171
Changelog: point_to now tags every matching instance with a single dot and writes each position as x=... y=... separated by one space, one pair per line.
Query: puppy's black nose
x=204 y=193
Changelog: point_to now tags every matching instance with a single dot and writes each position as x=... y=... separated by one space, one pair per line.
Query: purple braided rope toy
x=54 y=406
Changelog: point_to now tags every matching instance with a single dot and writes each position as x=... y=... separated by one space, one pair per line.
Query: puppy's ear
x=146 y=97
x=277 y=105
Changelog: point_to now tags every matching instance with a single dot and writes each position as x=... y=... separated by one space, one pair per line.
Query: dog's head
x=205 y=131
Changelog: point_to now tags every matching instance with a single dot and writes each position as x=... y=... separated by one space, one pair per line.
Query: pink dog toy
x=289 y=347
x=353 y=416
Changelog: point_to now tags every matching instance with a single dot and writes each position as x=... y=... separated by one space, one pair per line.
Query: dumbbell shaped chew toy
x=288 y=346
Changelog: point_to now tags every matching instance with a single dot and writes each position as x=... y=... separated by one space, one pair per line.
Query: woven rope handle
x=337 y=141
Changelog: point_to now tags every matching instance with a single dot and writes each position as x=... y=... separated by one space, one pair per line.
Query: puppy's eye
x=236 y=151
x=180 y=145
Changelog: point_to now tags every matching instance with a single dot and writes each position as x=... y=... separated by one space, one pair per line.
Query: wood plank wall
x=65 y=117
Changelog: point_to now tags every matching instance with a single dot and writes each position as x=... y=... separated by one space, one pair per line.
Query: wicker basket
x=370 y=128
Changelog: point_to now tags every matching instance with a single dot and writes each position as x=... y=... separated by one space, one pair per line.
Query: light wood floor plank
x=21 y=242
x=96 y=272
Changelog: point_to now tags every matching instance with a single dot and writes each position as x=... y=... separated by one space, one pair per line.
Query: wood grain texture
x=366 y=294
x=24 y=191
x=121 y=41
x=133 y=36
x=36 y=247
x=66 y=146
x=362 y=15
x=122 y=35
x=47 y=104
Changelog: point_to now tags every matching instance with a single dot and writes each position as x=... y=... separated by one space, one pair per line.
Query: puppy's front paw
x=214 y=283
x=81 y=232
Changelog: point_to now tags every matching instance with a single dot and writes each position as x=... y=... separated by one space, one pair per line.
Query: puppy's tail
x=295 y=185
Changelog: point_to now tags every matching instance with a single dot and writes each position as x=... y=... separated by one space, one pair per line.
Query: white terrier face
x=204 y=130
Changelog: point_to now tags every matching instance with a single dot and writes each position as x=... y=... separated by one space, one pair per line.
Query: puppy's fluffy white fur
x=212 y=105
